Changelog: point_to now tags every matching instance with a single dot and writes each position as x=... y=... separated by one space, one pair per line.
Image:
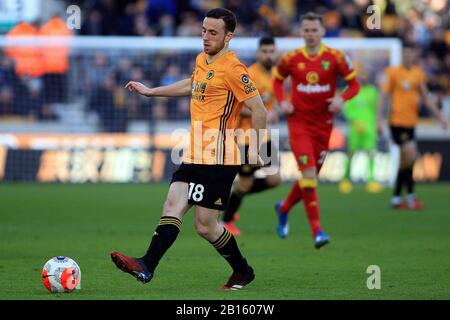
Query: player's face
x=409 y=56
x=215 y=36
x=267 y=55
x=312 y=32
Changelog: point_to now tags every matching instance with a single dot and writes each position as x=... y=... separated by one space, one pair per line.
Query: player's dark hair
x=226 y=15
x=266 y=40
x=312 y=16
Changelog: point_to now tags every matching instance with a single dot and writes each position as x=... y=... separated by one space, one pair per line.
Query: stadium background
x=65 y=117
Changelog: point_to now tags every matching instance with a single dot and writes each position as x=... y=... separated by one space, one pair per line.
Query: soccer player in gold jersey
x=219 y=87
x=406 y=86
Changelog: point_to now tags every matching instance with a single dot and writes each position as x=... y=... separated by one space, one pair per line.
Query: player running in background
x=405 y=85
x=219 y=86
x=361 y=115
x=314 y=70
x=261 y=73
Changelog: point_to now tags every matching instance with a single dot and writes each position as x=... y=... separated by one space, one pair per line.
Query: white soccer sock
x=396 y=200
x=410 y=198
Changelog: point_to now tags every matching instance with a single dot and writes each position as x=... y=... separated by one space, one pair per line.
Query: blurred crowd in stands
x=29 y=87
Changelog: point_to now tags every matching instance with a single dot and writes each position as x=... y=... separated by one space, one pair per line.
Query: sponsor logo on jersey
x=198 y=90
x=312 y=77
x=308 y=88
x=301 y=66
x=249 y=87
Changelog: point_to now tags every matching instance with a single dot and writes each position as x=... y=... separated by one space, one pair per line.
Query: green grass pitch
x=86 y=222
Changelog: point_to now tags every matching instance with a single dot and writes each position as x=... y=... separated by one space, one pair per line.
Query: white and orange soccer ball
x=61 y=274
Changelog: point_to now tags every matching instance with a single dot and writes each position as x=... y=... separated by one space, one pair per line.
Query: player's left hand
x=336 y=104
x=138 y=87
x=272 y=117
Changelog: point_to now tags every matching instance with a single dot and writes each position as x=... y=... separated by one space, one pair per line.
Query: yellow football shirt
x=218 y=92
x=403 y=85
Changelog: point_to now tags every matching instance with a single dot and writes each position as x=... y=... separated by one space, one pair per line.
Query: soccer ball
x=61 y=274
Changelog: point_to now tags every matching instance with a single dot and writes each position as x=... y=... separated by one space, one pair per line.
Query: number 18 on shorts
x=209 y=186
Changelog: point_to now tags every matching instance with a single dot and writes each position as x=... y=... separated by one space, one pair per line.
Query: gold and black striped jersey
x=218 y=92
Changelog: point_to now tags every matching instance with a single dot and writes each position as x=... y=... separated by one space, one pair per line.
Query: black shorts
x=401 y=135
x=247 y=170
x=209 y=185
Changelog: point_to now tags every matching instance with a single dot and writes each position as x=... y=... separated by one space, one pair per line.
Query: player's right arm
x=238 y=81
x=181 y=88
x=280 y=73
x=285 y=106
x=431 y=105
x=259 y=120
x=258 y=112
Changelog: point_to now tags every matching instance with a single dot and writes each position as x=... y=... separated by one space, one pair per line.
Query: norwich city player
x=313 y=71
x=219 y=86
